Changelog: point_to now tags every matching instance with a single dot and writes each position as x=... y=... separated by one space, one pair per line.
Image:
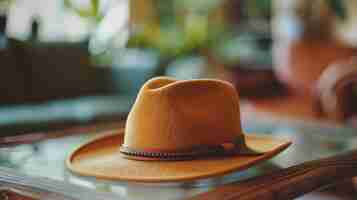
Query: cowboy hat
x=177 y=130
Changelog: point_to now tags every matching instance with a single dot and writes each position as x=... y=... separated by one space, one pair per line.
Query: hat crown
x=177 y=115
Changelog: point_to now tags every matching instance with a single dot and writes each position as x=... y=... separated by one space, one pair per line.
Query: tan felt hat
x=177 y=130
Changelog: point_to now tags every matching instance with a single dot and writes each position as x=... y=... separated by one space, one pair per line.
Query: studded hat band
x=237 y=146
x=161 y=155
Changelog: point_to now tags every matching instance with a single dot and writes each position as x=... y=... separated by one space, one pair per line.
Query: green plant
x=338 y=7
x=91 y=12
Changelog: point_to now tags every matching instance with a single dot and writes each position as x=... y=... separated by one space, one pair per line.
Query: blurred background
x=67 y=62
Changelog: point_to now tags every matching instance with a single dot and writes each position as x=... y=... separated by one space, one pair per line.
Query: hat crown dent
x=177 y=115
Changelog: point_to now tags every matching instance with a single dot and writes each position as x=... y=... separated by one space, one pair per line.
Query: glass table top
x=310 y=141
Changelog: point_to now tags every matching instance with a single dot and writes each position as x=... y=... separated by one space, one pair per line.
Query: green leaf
x=92 y=12
x=95 y=7
x=338 y=7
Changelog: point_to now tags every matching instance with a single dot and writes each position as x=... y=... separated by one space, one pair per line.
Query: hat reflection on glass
x=177 y=130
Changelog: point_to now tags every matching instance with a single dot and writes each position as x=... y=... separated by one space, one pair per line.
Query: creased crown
x=175 y=115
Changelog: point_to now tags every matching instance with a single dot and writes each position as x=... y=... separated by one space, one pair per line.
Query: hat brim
x=100 y=158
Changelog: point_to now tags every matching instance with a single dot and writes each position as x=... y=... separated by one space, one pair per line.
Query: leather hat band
x=186 y=155
x=161 y=155
x=237 y=146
